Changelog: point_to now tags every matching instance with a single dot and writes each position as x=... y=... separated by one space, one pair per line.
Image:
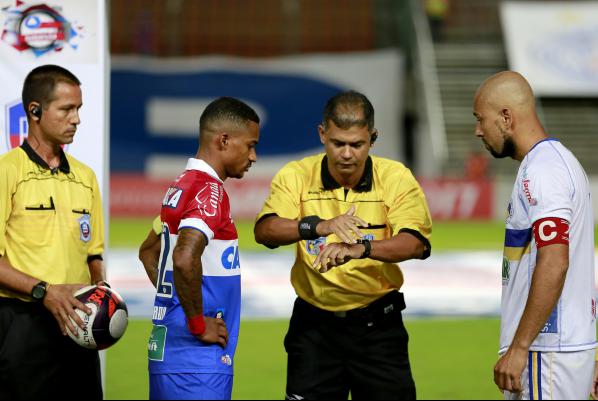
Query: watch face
x=39 y=291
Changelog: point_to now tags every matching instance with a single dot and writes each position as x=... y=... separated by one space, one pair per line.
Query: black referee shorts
x=38 y=362
x=362 y=352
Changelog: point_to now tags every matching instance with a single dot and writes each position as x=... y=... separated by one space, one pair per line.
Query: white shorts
x=557 y=376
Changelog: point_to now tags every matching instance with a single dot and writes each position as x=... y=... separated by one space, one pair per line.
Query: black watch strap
x=368 y=247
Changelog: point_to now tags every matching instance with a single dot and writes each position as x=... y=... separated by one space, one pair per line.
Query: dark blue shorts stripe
x=530 y=375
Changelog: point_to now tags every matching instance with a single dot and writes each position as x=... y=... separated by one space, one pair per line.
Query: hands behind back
x=216 y=332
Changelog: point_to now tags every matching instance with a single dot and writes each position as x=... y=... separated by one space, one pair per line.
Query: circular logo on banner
x=39 y=28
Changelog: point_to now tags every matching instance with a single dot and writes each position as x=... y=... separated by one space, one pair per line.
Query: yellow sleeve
x=284 y=199
x=96 y=244
x=7 y=189
x=157 y=226
x=596 y=355
x=408 y=209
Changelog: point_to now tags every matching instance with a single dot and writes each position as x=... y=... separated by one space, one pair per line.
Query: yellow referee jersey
x=157 y=226
x=51 y=221
x=388 y=197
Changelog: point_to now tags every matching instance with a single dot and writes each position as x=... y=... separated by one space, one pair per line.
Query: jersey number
x=165 y=286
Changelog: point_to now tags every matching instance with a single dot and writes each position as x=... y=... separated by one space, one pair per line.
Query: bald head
x=507 y=89
x=505 y=109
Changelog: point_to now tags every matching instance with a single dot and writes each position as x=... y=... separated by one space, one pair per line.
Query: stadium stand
x=472 y=49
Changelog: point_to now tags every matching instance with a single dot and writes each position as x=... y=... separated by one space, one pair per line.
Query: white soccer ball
x=107 y=322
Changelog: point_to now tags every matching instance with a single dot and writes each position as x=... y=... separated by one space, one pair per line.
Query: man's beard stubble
x=508 y=150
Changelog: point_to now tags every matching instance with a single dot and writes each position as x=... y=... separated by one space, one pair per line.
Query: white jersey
x=552 y=185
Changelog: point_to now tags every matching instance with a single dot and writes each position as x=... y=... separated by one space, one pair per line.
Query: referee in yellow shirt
x=353 y=217
x=51 y=244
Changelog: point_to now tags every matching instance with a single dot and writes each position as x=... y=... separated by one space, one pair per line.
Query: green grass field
x=451 y=358
x=445 y=236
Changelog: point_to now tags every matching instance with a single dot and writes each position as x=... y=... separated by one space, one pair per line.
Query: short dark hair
x=40 y=83
x=338 y=106
x=227 y=109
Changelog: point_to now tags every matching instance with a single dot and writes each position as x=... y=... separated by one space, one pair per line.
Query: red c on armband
x=551 y=230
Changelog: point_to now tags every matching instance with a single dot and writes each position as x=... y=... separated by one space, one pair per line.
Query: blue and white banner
x=156 y=104
x=554 y=45
x=69 y=33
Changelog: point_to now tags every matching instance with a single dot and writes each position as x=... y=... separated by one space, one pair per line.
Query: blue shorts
x=190 y=386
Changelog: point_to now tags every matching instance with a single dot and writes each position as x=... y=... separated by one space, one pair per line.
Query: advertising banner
x=69 y=33
x=448 y=198
x=156 y=104
x=554 y=45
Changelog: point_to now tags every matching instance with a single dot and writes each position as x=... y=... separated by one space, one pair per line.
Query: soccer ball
x=107 y=322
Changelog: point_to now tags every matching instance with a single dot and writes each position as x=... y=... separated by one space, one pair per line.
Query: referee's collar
x=64 y=163
x=364 y=184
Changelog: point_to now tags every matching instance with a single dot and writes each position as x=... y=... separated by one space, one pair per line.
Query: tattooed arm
x=188 y=279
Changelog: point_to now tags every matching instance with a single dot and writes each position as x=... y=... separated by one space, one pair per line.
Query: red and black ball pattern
x=108 y=321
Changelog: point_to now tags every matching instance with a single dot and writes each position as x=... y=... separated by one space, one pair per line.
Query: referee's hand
x=336 y=254
x=346 y=227
x=61 y=302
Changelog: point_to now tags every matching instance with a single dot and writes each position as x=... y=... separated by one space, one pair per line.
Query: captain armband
x=551 y=230
x=307 y=227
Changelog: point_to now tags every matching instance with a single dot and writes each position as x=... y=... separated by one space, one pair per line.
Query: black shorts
x=362 y=352
x=38 y=362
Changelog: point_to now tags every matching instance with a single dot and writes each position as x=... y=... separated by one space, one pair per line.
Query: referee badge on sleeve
x=85 y=228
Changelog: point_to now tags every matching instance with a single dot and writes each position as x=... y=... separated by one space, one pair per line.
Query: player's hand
x=508 y=370
x=337 y=254
x=216 y=332
x=61 y=302
x=595 y=382
x=346 y=227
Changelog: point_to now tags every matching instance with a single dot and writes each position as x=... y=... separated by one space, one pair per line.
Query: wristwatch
x=367 y=245
x=39 y=291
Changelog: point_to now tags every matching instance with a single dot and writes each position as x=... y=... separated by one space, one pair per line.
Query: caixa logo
x=16 y=125
x=230 y=258
x=39 y=28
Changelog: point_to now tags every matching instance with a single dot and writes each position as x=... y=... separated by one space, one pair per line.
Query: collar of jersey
x=543 y=140
x=64 y=163
x=200 y=165
x=364 y=184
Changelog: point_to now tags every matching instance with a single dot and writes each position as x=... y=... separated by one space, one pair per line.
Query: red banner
x=138 y=196
x=459 y=199
x=448 y=199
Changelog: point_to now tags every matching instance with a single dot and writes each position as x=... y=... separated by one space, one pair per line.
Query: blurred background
x=419 y=62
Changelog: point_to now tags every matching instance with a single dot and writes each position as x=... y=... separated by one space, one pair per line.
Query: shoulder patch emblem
x=85 y=228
